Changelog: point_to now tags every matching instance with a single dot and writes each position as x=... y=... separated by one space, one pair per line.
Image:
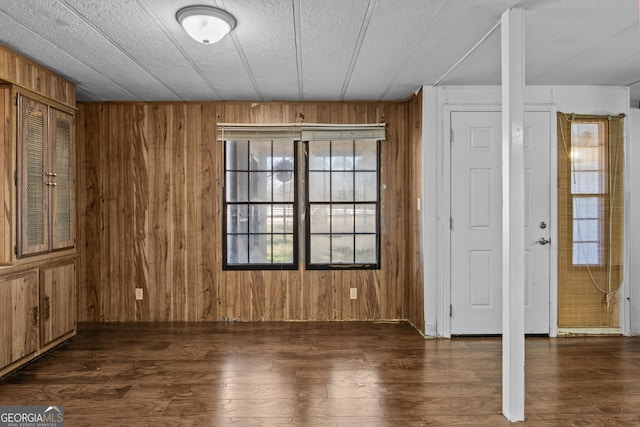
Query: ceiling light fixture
x=206 y=24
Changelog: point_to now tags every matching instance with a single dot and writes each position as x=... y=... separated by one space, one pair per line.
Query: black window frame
x=226 y=265
x=309 y=265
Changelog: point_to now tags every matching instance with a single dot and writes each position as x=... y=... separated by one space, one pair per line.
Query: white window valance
x=301 y=131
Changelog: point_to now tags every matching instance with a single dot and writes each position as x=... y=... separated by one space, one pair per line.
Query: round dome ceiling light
x=206 y=24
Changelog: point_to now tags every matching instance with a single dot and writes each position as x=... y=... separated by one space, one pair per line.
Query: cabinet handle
x=51 y=184
x=47 y=308
x=51 y=174
x=35 y=316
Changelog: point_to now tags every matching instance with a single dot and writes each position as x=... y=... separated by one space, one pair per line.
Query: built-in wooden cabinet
x=37 y=210
x=37 y=255
x=57 y=302
x=19 y=317
x=44 y=178
x=37 y=311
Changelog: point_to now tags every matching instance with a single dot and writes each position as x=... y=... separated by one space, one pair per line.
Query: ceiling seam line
x=243 y=59
x=70 y=56
x=247 y=66
x=118 y=47
x=356 y=51
x=297 y=30
x=92 y=96
x=175 y=43
x=428 y=30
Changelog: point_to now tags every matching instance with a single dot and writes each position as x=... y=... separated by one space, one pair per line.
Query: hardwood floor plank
x=321 y=374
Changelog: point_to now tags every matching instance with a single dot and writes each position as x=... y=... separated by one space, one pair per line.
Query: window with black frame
x=342 y=204
x=260 y=205
x=339 y=214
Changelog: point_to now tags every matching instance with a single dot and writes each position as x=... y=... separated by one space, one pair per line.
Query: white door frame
x=444 y=285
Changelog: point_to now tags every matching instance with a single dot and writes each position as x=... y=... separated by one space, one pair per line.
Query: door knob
x=543 y=241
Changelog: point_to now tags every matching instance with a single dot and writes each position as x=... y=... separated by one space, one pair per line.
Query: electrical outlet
x=353 y=293
x=139 y=294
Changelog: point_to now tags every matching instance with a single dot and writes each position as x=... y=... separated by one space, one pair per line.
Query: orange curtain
x=590 y=220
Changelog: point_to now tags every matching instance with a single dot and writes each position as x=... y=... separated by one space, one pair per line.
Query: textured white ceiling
x=318 y=49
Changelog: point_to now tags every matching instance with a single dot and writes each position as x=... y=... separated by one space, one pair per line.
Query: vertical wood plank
x=6 y=181
x=140 y=202
x=210 y=170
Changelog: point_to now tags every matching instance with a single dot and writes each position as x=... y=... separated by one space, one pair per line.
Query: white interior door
x=476 y=222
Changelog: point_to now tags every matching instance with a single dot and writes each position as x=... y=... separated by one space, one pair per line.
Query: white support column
x=512 y=28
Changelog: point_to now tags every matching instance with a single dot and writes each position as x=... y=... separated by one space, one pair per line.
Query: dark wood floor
x=321 y=374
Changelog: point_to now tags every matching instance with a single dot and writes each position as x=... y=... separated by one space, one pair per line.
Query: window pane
x=260 y=155
x=260 y=248
x=585 y=253
x=342 y=219
x=586 y=182
x=281 y=219
x=366 y=249
x=321 y=249
x=282 y=252
x=342 y=250
x=237 y=154
x=237 y=252
x=260 y=186
x=585 y=134
x=342 y=155
x=342 y=186
x=319 y=218
x=585 y=158
x=586 y=230
x=237 y=186
x=259 y=219
x=586 y=207
x=319 y=185
x=237 y=219
x=283 y=152
x=365 y=218
x=319 y=155
x=366 y=186
x=366 y=155
x=282 y=191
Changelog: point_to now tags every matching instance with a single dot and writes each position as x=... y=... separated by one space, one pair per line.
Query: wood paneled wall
x=149 y=203
x=414 y=289
x=22 y=72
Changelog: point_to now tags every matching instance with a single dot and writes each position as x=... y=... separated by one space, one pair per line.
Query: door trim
x=444 y=285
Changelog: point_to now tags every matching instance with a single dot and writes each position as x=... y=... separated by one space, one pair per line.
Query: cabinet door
x=33 y=223
x=61 y=174
x=58 y=302
x=18 y=317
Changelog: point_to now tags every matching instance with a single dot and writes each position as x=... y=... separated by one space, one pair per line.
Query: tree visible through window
x=260 y=205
